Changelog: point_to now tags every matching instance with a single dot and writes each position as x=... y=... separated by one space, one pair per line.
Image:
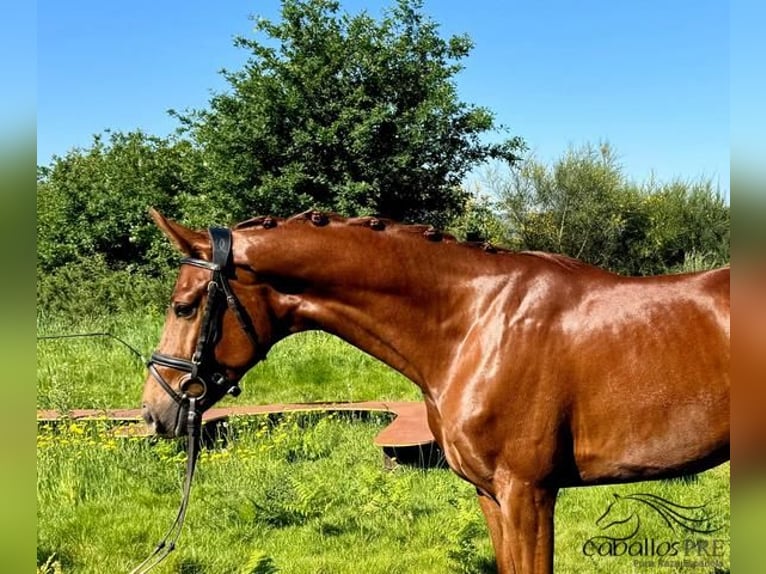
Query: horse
x=538 y=371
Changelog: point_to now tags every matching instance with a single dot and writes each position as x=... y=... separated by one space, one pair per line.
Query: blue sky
x=651 y=77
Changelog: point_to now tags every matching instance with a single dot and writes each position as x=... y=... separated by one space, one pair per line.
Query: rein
x=203 y=373
x=168 y=542
x=193 y=431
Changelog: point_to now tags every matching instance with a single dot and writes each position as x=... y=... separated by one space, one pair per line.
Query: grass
x=301 y=493
x=306 y=494
x=101 y=373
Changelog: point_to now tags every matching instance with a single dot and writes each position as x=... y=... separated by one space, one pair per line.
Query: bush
x=88 y=288
x=95 y=202
x=332 y=110
x=585 y=207
x=346 y=113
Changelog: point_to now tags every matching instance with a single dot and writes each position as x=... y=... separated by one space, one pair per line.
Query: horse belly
x=627 y=439
x=650 y=390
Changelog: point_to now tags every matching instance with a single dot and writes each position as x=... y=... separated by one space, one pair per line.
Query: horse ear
x=190 y=242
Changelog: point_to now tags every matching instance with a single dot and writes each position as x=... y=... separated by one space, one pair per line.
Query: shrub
x=585 y=207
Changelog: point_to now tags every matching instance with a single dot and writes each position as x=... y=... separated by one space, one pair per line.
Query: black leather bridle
x=203 y=371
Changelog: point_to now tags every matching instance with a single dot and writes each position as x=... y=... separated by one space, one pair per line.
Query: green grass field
x=307 y=494
x=101 y=373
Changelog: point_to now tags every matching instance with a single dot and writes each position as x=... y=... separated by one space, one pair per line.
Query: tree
x=93 y=202
x=340 y=112
x=345 y=113
x=584 y=206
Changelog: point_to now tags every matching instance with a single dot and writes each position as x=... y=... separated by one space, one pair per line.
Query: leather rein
x=203 y=372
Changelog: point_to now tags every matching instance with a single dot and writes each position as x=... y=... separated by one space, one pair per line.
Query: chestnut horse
x=538 y=371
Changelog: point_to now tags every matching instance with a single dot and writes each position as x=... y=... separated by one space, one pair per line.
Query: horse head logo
x=620 y=516
x=628 y=509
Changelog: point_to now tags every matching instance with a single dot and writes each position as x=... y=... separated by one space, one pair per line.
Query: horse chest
x=468 y=448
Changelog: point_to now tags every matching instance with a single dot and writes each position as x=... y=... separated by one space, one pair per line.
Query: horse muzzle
x=167 y=423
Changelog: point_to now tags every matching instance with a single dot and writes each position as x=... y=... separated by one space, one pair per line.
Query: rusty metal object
x=408 y=429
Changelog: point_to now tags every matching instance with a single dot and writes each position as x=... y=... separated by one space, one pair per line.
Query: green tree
x=689 y=226
x=585 y=207
x=346 y=113
x=93 y=202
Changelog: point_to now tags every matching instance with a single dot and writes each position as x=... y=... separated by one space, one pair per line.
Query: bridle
x=202 y=370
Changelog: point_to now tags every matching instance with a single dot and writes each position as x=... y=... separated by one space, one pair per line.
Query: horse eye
x=184 y=310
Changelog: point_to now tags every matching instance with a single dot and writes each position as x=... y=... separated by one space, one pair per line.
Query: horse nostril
x=147 y=416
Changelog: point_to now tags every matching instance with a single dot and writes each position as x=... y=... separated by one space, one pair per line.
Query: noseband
x=202 y=367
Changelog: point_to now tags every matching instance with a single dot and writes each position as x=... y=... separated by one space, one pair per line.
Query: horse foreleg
x=494 y=518
x=527 y=529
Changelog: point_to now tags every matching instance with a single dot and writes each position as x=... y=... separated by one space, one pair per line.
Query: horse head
x=615 y=513
x=222 y=320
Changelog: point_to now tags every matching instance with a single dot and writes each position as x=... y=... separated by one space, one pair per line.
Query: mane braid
x=390 y=226
x=257 y=221
x=380 y=224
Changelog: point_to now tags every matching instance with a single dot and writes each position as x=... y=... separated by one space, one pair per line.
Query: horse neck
x=386 y=293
